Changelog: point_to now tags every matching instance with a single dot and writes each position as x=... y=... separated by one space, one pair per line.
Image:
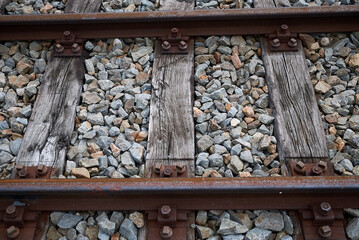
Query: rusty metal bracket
x=167 y=223
x=321 y=221
x=40 y=171
x=298 y=168
x=68 y=46
x=174 y=43
x=283 y=40
x=169 y=171
x=16 y=222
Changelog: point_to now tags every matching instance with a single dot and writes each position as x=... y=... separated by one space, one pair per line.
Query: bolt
x=23 y=173
x=67 y=35
x=174 y=32
x=324 y=208
x=166 y=232
x=11 y=211
x=19 y=167
x=75 y=48
x=182 y=45
x=316 y=170
x=283 y=28
x=12 y=232
x=323 y=165
x=59 y=48
x=167 y=172
x=166 y=46
x=275 y=43
x=41 y=170
x=166 y=211
x=180 y=168
x=299 y=167
x=292 y=42
x=325 y=231
x=157 y=168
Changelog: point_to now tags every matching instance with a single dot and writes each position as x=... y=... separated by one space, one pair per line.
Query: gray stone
x=141 y=52
x=352 y=229
x=228 y=227
x=87 y=163
x=219 y=94
x=215 y=160
x=81 y=227
x=95 y=118
x=104 y=141
x=128 y=230
x=107 y=226
x=354 y=122
x=246 y=156
x=123 y=144
x=288 y=224
x=68 y=221
x=347 y=164
x=15 y=146
x=236 y=163
x=204 y=232
x=5 y=157
x=137 y=151
x=266 y=119
x=117 y=217
x=270 y=221
x=204 y=143
x=234 y=237
x=56 y=216
x=105 y=84
x=258 y=234
x=127 y=160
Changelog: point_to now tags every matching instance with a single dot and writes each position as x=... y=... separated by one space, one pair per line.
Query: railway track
x=171 y=112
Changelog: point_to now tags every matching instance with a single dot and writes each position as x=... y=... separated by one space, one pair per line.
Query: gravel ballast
x=233 y=121
x=22 y=65
x=110 y=136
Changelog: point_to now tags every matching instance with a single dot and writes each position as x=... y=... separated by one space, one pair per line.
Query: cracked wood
x=52 y=120
x=298 y=124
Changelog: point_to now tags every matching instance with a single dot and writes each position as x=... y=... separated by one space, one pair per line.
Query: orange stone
x=236 y=61
x=248 y=111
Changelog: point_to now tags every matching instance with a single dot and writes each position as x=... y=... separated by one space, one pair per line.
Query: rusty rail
x=186 y=194
x=190 y=23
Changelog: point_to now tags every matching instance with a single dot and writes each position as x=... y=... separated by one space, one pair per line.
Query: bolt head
x=167 y=172
x=182 y=45
x=59 y=48
x=23 y=173
x=284 y=26
x=75 y=48
x=166 y=211
x=12 y=232
x=324 y=208
x=166 y=45
x=325 y=231
x=323 y=165
x=275 y=43
x=174 y=30
x=157 y=168
x=19 y=167
x=41 y=169
x=166 y=232
x=11 y=210
x=67 y=34
x=317 y=170
x=300 y=165
x=292 y=42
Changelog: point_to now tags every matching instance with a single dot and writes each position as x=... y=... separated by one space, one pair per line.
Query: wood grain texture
x=171 y=128
x=82 y=6
x=298 y=124
x=52 y=121
x=3 y=4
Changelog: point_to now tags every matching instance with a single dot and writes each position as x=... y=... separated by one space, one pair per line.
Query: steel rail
x=190 y=23
x=186 y=194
